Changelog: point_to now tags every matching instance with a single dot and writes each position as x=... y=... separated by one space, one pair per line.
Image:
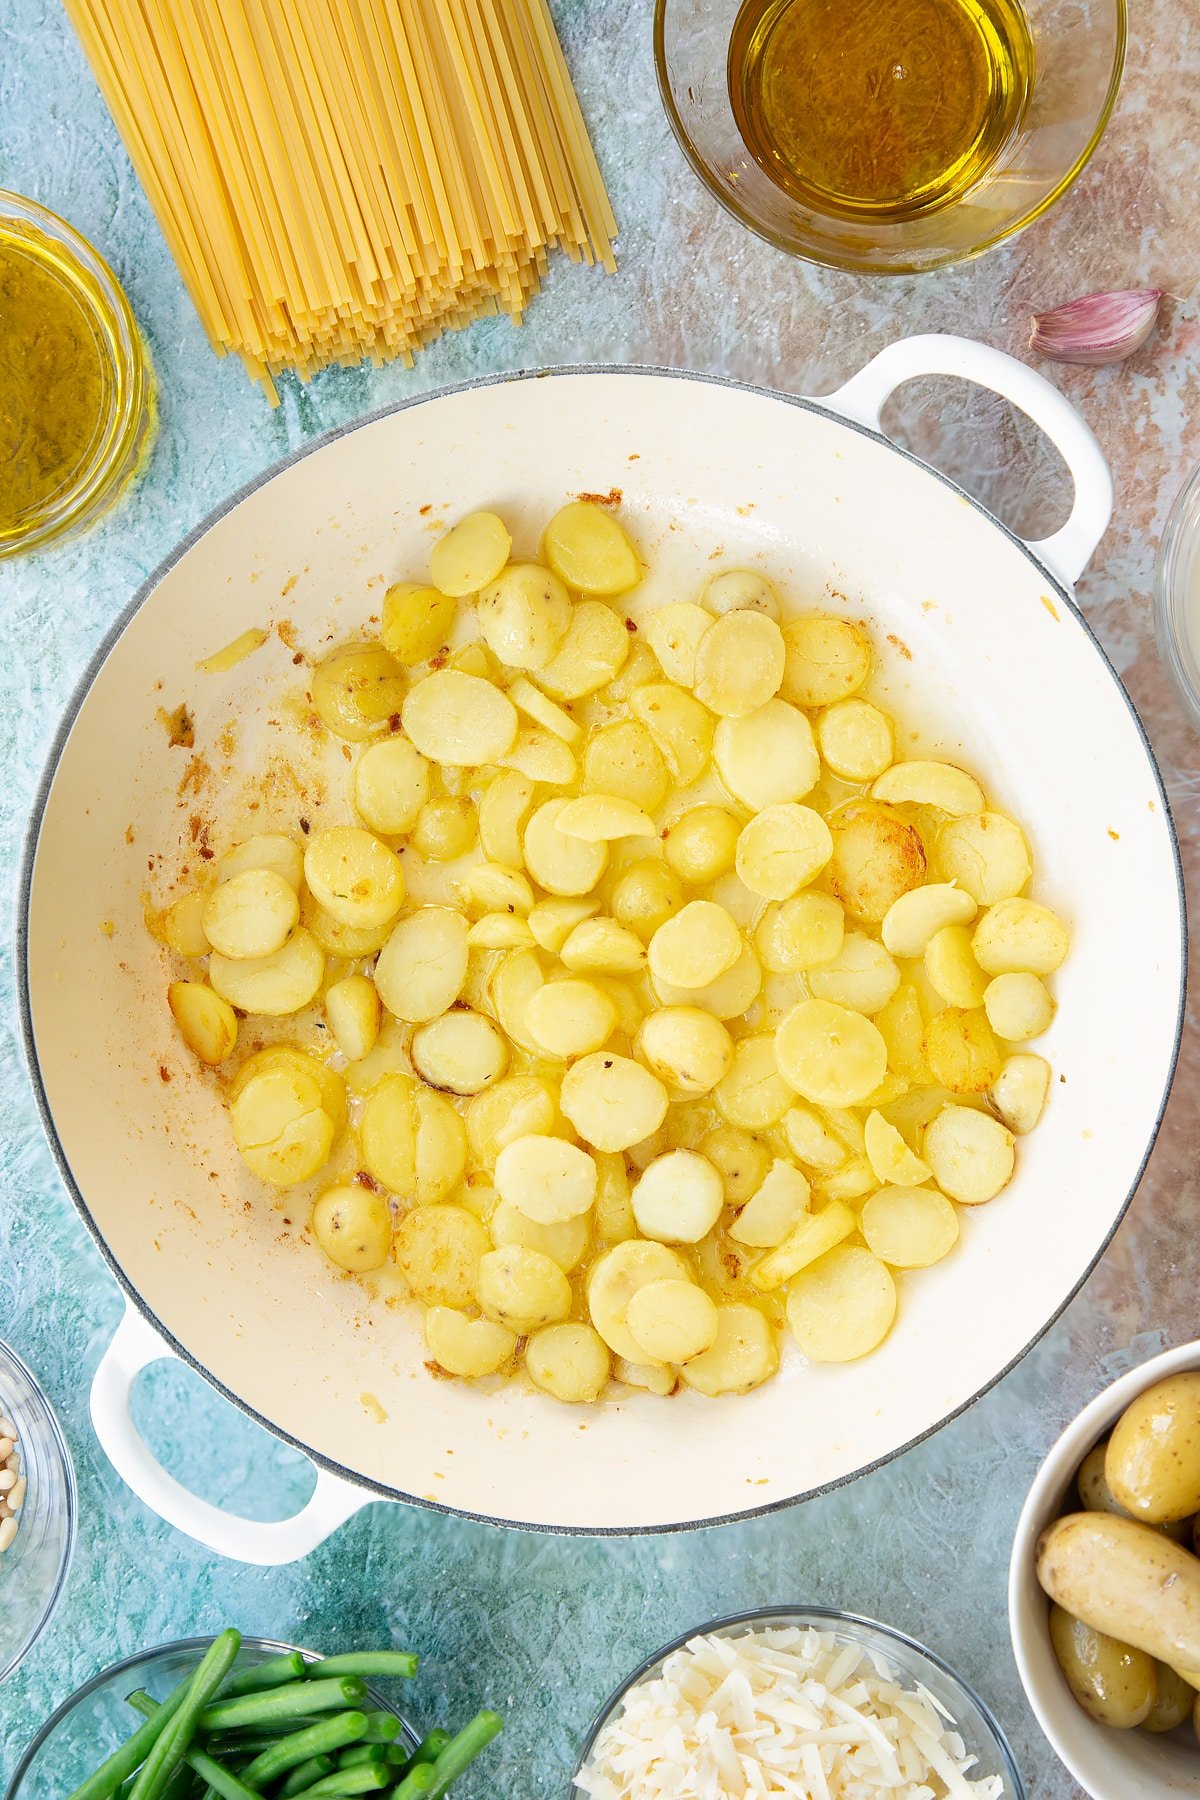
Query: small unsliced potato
x=739 y=664
x=251 y=914
x=827 y=659
x=645 y=896
x=587 y=548
x=417 y=621
x=1152 y=1464
x=1114 y=1683
x=855 y=739
x=569 y=1361
x=1021 y=937
x=1019 y=1091
x=546 y=1178
x=986 y=854
x=678 y=1198
x=961 y=1052
x=1126 y=1580
x=357 y=689
x=464 y=1346
x=470 y=554
x=971 y=1154
x=353 y=1226
x=273 y=985
x=767 y=757
x=909 y=1227
x=829 y=1054
x=877 y=857
x=207 y=1024
x=1097 y=1496
x=524 y=615
x=674 y=632
x=352 y=1013
x=459 y=719
x=842 y=1306
x=672 y=1320
x=353 y=876
x=740 y=590
x=800 y=933
x=1174 y=1700
x=612 y=1101
x=685 y=1047
x=1018 y=1007
x=439 y=1251
x=744 y=1353
x=391 y=785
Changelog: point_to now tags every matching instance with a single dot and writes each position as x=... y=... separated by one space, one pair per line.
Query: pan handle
x=134 y=1346
x=1066 y=553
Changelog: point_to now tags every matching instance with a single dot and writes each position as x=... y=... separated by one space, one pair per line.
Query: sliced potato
x=623 y=760
x=265 y=850
x=207 y=1024
x=516 y=1106
x=767 y=757
x=353 y=1226
x=524 y=615
x=739 y=664
x=961 y=1051
x=753 y=1094
x=681 y=728
x=855 y=739
x=280 y=1124
x=971 y=1154
x=861 y=976
x=440 y=1251
x=616 y=1277
x=939 y=785
x=465 y=1346
x=598 y=818
x=830 y=1055
x=497 y=888
x=986 y=854
x=877 y=856
x=445 y=828
x=470 y=554
x=701 y=845
x=565 y=1243
x=1020 y=937
x=842 y=1307
x=812 y=1237
x=593 y=651
x=570 y=1018
x=800 y=933
x=672 y=1321
x=1018 y=1007
x=588 y=549
x=553 y=921
x=916 y=917
x=391 y=785
x=827 y=659
x=503 y=810
x=183 y=924
x=356 y=690
x=272 y=985
x=741 y=590
x=741 y=1159
x=250 y=915
x=685 y=1047
x=569 y=1361
x=459 y=719
x=352 y=1014
x=890 y=1157
x=417 y=621
x=357 y=879
x=461 y=1051
x=728 y=997
x=678 y=1198
x=545 y=712
x=422 y=967
x=612 y=1101
x=695 y=946
x=547 y=1179
x=645 y=896
x=909 y=1227
x=951 y=967
x=673 y=633
x=1020 y=1090
x=774 y=1209
x=744 y=1353
x=561 y=864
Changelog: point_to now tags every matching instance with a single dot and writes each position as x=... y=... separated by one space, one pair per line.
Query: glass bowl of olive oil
x=888 y=136
x=76 y=387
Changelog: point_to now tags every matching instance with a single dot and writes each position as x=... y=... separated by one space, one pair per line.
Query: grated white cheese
x=781 y=1714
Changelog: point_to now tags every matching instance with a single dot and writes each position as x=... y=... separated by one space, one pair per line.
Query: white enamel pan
x=988 y=660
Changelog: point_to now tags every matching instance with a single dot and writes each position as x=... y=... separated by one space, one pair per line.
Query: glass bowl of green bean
x=232 y=1718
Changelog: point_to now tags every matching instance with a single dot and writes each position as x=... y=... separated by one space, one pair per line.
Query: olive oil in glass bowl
x=76 y=389
x=888 y=136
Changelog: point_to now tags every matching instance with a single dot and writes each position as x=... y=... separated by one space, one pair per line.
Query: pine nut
x=8 y=1531
x=6 y=1448
x=7 y=1428
x=16 y=1496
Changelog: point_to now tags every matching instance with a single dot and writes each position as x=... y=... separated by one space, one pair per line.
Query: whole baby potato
x=1097 y=1496
x=1175 y=1700
x=1153 y=1460
x=1127 y=1581
x=1114 y=1683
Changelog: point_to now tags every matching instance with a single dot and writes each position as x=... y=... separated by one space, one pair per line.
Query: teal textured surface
x=540 y=1627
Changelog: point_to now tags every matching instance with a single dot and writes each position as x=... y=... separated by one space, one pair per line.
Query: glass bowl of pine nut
x=37 y=1510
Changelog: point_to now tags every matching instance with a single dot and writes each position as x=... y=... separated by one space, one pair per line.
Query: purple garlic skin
x=1097 y=328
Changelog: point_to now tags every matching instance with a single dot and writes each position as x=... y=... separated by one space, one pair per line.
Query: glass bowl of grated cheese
x=800 y=1702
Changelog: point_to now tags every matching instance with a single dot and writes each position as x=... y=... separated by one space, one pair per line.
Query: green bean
x=369 y=1662
x=365 y=1779
x=419 y=1780
x=305 y=1775
x=290 y=1702
x=220 y=1782
x=431 y=1747
x=462 y=1750
x=173 y=1740
x=298 y=1746
x=270 y=1674
x=393 y=1755
x=123 y=1763
x=382 y=1728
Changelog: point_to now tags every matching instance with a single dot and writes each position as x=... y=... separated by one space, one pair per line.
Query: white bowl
x=1111 y=1765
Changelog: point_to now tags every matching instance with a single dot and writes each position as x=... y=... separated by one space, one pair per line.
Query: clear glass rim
x=71 y=1501
x=865 y=264
x=177 y=1647
x=1178 y=549
x=799 y=1615
x=128 y=430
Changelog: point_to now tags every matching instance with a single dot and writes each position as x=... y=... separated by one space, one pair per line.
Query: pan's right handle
x=135 y=1345
x=1066 y=553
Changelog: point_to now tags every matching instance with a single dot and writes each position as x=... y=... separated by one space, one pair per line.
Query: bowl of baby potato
x=1104 y=1586
x=583 y=1008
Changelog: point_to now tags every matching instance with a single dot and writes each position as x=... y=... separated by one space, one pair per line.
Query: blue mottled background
x=543 y=1627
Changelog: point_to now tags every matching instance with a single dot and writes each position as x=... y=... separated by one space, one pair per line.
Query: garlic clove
x=1097 y=328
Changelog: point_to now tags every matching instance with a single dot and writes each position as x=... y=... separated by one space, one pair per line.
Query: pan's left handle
x=135 y=1345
